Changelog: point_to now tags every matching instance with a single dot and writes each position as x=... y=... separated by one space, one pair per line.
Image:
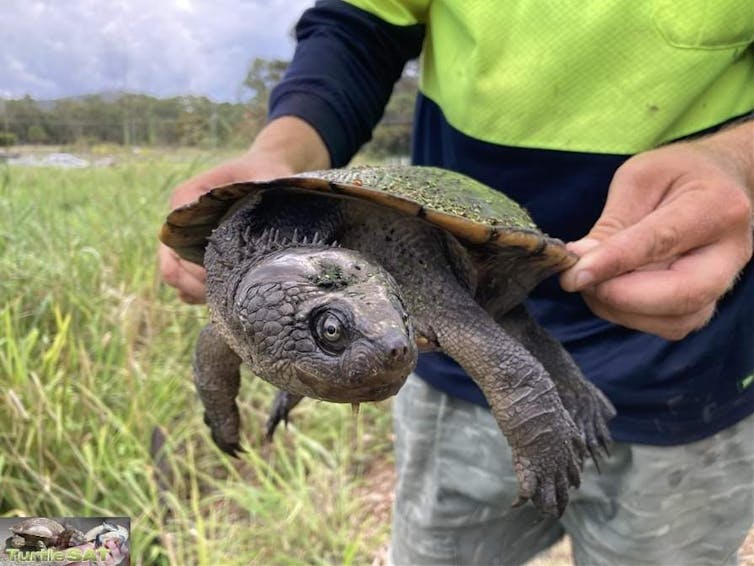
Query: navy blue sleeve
x=342 y=74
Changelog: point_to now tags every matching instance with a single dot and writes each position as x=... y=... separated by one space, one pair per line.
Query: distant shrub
x=7 y=139
x=37 y=134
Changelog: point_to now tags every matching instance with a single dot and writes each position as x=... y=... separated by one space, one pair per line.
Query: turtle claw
x=546 y=499
x=230 y=448
x=527 y=480
x=606 y=449
x=281 y=408
x=272 y=423
x=598 y=435
x=590 y=411
x=595 y=456
x=550 y=497
x=226 y=439
x=561 y=492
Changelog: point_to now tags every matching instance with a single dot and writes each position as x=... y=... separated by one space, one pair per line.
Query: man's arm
x=342 y=74
x=674 y=234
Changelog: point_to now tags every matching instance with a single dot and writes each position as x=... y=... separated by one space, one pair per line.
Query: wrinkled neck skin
x=310 y=318
x=244 y=242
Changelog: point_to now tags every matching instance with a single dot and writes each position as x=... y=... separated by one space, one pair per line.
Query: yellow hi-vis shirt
x=599 y=76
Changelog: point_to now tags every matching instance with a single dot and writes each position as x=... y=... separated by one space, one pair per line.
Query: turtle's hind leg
x=281 y=407
x=217 y=379
x=586 y=404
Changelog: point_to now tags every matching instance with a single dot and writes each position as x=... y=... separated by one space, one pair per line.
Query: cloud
x=53 y=49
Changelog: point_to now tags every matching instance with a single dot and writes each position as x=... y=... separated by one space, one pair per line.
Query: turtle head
x=325 y=322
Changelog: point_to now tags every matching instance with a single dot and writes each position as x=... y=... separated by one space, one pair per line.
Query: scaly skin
x=587 y=406
x=271 y=273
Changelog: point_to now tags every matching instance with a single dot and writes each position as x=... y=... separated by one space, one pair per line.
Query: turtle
x=40 y=533
x=327 y=284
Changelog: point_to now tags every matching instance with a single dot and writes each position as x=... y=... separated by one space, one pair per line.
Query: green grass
x=95 y=353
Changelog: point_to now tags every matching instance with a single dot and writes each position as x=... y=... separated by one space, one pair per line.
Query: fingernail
x=583 y=278
x=580 y=247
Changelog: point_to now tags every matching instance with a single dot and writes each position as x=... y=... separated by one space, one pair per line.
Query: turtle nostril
x=399 y=352
x=397 y=349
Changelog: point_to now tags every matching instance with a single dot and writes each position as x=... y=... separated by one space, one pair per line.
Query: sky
x=57 y=48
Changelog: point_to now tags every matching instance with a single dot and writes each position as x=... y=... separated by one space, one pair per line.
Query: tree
x=22 y=113
x=7 y=139
x=262 y=76
x=37 y=134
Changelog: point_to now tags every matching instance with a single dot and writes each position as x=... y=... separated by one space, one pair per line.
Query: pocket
x=705 y=24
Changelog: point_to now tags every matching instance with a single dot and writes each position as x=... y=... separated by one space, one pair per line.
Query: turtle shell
x=473 y=212
x=38 y=527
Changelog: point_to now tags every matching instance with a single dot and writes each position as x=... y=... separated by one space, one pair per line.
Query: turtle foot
x=281 y=408
x=277 y=415
x=225 y=435
x=548 y=466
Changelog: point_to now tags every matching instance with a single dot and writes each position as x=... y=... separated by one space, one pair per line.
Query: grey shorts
x=679 y=505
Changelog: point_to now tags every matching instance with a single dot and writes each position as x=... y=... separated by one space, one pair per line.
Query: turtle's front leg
x=586 y=404
x=547 y=447
x=217 y=379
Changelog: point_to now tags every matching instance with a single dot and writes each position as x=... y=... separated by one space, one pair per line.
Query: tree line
x=197 y=121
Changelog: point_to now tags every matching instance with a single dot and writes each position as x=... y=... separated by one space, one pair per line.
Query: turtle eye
x=331 y=329
x=330 y=332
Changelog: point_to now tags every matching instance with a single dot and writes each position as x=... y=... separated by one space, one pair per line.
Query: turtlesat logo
x=51 y=555
x=74 y=541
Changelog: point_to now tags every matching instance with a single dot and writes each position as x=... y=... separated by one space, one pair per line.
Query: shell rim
x=538 y=244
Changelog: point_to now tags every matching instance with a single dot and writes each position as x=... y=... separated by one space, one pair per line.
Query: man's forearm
x=342 y=74
x=292 y=143
x=735 y=144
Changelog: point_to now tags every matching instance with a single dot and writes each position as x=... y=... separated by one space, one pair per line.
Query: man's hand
x=674 y=234
x=286 y=146
x=187 y=277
